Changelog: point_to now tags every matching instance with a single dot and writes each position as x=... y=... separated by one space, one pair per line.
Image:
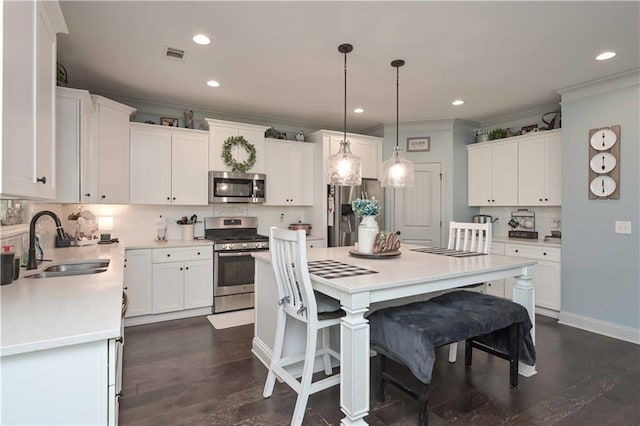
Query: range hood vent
x=174 y=53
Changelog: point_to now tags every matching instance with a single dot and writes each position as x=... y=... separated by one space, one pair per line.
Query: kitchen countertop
x=46 y=313
x=539 y=243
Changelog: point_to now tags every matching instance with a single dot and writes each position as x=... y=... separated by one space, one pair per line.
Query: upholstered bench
x=410 y=333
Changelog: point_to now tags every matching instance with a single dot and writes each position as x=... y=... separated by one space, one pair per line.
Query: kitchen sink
x=73 y=269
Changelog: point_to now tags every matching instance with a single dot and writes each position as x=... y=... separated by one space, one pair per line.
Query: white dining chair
x=298 y=302
x=469 y=237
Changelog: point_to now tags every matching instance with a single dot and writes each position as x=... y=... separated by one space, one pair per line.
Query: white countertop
x=538 y=243
x=46 y=313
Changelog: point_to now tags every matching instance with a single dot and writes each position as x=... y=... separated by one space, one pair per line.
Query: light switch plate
x=623 y=227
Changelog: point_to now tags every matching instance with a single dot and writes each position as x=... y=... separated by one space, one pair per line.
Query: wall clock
x=604 y=163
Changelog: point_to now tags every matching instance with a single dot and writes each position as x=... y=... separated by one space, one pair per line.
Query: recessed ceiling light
x=358 y=110
x=213 y=83
x=457 y=102
x=201 y=39
x=605 y=55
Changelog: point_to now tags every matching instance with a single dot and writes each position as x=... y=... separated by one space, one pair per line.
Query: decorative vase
x=367 y=232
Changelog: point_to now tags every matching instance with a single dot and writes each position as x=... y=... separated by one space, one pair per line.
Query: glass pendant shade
x=397 y=171
x=344 y=168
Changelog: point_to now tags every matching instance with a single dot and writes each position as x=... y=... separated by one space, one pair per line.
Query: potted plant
x=497 y=134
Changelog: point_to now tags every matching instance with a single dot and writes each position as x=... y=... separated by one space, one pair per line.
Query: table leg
x=524 y=294
x=354 y=366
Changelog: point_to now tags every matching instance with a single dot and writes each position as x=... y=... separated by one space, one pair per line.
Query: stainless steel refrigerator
x=342 y=222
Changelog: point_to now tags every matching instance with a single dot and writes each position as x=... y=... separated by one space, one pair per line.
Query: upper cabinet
x=28 y=86
x=90 y=160
x=519 y=171
x=368 y=148
x=180 y=165
x=110 y=130
x=539 y=170
x=220 y=131
x=289 y=169
x=493 y=174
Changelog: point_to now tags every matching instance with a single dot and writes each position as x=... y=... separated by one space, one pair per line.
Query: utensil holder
x=187 y=231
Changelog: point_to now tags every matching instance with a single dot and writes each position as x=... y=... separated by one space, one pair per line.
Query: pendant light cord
x=345 y=97
x=397 y=105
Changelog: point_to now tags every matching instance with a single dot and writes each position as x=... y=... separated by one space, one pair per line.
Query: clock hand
x=603 y=167
x=603 y=139
x=602 y=186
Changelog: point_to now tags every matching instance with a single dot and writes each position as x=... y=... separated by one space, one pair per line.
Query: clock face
x=603 y=162
x=602 y=186
x=603 y=139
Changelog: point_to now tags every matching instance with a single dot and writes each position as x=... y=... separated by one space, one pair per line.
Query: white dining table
x=408 y=275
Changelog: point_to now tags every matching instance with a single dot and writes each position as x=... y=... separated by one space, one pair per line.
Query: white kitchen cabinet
x=70 y=385
x=547 y=275
x=137 y=281
x=368 y=148
x=289 y=169
x=180 y=165
x=182 y=278
x=493 y=174
x=73 y=147
x=110 y=166
x=220 y=131
x=539 y=170
x=28 y=95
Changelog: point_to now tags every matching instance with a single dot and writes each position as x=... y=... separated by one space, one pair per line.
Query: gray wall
x=600 y=269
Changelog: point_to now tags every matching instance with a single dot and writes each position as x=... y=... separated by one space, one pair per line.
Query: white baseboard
x=593 y=325
x=148 y=319
x=547 y=312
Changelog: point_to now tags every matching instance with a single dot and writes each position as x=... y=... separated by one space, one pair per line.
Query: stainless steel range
x=233 y=266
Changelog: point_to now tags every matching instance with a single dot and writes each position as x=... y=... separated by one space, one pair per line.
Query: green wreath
x=230 y=161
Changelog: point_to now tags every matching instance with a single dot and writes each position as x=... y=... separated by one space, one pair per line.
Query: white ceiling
x=279 y=60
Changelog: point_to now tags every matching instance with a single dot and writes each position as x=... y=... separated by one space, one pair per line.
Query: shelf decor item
x=397 y=172
x=344 y=168
x=367 y=209
x=228 y=157
x=169 y=121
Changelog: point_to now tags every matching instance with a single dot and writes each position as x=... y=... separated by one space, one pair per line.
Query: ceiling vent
x=174 y=54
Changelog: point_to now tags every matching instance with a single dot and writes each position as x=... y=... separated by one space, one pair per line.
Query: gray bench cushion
x=410 y=333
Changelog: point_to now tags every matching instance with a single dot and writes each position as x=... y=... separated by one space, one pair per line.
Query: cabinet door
x=479 y=176
x=300 y=169
x=112 y=133
x=198 y=283
x=289 y=169
x=554 y=169
x=68 y=139
x=217 y=136
x=504 y=174
x=150 y=166
x=168 y=287
x=532 y=172
x=189 y=169
x=137 y=280
x=45 y=104
x=546 y=282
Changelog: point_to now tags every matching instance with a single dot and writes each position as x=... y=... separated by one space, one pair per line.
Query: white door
x=198 y=283
x=168 y=287
x=418 y=209
x=150 y=166
x=189 y=169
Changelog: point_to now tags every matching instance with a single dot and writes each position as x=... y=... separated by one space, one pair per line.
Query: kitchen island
x=398 y=278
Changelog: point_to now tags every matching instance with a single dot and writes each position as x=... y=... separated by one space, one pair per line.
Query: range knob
x=227 y=246
x=259 y=245
x=245 y=245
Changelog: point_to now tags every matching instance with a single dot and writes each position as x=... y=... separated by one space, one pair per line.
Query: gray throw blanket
x=410 y=333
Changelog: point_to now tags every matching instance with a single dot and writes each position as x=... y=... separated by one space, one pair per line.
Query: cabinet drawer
x=496 y=288
x=182 y=253
x=538 y=253
x=497 y=248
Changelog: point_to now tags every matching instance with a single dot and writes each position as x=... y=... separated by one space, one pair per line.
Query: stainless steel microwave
x=228 y=187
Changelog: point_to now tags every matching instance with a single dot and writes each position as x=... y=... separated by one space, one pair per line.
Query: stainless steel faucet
x=62 y=239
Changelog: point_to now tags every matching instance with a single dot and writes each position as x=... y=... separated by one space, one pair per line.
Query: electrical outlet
x=623 y=227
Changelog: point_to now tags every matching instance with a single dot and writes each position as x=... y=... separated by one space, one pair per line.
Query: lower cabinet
x=77 y=384
x=546 y=280
x=168 y=280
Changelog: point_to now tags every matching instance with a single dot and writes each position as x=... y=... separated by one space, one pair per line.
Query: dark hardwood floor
x=185 y=372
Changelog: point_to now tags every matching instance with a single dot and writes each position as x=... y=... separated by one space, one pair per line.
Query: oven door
x=233 y=273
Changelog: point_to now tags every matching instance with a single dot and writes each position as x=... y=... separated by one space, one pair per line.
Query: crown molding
x=599 y=86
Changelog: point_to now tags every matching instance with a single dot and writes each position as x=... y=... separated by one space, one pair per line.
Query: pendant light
x=344 y=168
x=397 y=172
